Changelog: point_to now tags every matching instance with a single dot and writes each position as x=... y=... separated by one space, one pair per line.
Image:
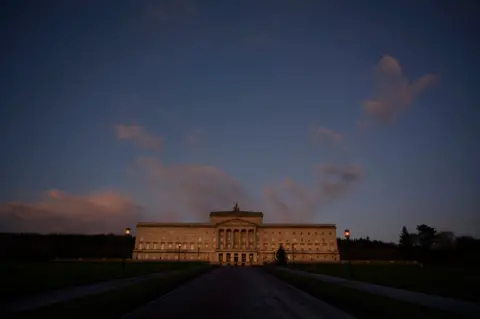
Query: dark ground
x=237 y=293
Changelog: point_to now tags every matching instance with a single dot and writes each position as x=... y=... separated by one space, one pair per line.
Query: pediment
x=236 y=222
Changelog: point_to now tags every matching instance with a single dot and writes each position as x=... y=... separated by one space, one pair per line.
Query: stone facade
x=235 y=237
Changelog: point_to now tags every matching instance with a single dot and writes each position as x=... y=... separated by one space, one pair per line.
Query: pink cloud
x=59 y=212
x=393 y=92
x=139 y=135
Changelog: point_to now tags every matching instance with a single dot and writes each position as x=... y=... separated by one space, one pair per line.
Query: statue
x=236 y=208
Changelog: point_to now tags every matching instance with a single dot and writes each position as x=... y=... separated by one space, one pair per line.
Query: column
x=224 y=238
x=242 y=237
x=236 y=236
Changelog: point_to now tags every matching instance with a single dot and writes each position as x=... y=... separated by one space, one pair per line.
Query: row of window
x=195 y=257
x=192 y=245
x=171 y=236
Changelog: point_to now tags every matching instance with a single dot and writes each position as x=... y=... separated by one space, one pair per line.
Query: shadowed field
x=462 y=282
x=29 y=278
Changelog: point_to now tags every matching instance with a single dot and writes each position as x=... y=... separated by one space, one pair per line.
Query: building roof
x=153 y=224
x=286 y=225
x=230 y=213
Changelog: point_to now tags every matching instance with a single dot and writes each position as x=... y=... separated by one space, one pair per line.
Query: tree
x=426 y=236
x=405 y=243
x=405 y=238
x=281 y=256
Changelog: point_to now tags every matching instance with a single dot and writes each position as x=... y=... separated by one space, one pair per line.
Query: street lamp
x=128 y=233
x=349 y=264
x=179 y=246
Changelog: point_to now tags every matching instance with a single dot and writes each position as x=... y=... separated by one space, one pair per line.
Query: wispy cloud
x=138 y=135
x=393 y=92
x=294 y=202
x=190 y=191
x=320 y=134
x=59 y=212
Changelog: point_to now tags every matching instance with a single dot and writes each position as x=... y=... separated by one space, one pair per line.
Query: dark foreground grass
x=114 y=304
x=460 y=282
x=29 y=278
x=359 y=304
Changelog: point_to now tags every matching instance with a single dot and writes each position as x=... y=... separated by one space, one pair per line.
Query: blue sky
x=164 y=110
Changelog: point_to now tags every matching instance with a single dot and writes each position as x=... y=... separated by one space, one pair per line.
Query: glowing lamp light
x=347 y=233
x=128 y=231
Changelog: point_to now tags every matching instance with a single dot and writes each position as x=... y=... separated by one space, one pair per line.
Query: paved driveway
x=237 y=293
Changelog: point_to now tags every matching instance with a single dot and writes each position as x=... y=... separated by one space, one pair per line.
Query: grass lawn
x=114 y=304
x=357 y=303
x=448 y=281
x=29 y=278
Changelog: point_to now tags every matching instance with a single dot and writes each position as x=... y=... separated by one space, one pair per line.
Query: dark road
x=237 y=293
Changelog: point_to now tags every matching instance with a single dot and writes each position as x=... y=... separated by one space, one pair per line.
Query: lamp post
x=349 y=263
x=128 y=233
x=179 y=246
x=293 y=253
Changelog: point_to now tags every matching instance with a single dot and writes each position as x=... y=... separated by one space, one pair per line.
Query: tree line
x=54 y=246
x=424 y=245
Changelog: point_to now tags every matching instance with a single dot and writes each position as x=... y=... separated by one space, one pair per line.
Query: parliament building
x=235 y=237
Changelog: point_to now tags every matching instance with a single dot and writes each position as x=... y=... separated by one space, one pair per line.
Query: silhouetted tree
x=281 y=256
x=405 y=243
x=426 y=236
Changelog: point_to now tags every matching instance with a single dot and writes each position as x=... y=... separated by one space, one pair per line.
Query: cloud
x=190 y=191
x=321 y=134
x=138 y=135
x=59 y=212
x=393 y=92
x=292 y=202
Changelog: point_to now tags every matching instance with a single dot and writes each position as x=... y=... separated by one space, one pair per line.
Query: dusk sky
x=360 y=113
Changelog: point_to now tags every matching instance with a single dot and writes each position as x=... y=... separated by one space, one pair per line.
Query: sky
x=364 y=114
